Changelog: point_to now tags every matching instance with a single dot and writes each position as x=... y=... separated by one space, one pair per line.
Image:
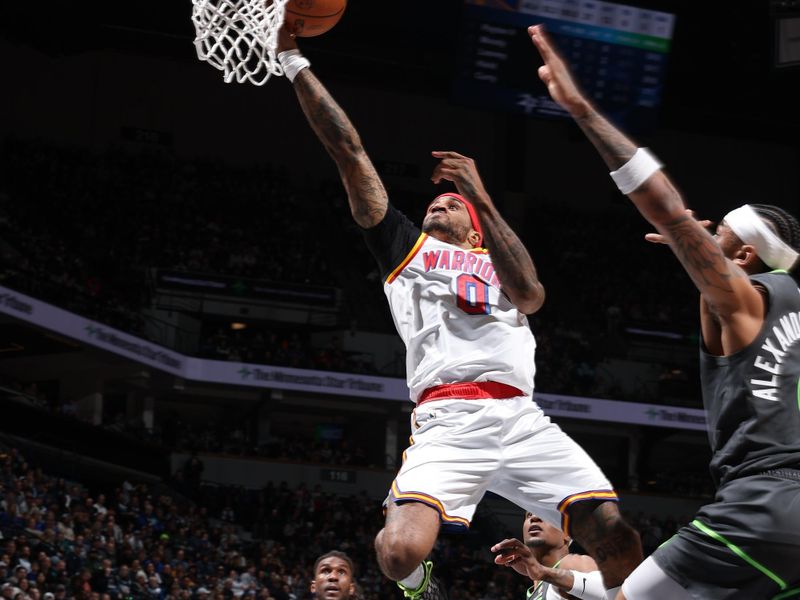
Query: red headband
x=473 y=216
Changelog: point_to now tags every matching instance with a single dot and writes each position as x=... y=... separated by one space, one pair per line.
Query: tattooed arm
x=512 y=263
x=513 y=553
x=365 y=191
x=725 y=287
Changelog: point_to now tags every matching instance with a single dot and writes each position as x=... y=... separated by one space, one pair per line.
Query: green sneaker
x=430 y=588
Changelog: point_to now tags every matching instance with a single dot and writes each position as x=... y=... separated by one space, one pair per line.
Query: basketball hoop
x=239 y=37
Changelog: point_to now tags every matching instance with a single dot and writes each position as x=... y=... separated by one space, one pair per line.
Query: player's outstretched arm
x=511 y=260
x=576 y=576
x=723 y=284
x=365 y=191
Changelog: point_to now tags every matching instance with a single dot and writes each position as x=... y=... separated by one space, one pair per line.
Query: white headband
x=751 y=229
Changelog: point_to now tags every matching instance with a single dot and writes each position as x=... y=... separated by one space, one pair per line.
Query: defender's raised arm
x=724 y=285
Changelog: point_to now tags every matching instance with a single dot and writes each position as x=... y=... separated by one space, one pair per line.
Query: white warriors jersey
x=455 y=322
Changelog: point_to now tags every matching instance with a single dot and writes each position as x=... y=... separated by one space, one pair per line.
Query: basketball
x=309 y=18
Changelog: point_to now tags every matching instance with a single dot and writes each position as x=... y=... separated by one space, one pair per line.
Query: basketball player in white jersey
x=461 y=311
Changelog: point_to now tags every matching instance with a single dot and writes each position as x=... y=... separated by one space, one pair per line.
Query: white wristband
x=292 y=62
x=636 y=171
x=588 y=586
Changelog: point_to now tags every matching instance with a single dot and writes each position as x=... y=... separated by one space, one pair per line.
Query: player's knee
x=613 y=521
x=397 y=554
x=594 y=522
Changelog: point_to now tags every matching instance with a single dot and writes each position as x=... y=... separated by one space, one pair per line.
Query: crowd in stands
x=234 y=442
x=94 y=224
x=677 y=482
x=28 y=393
x=234 y=437
x=134 y=541
x=84 y=229
x=284 y=349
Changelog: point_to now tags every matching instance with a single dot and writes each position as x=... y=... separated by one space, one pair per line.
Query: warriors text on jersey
x=447 y=306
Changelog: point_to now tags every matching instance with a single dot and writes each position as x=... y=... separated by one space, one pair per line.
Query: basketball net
x=239 y=37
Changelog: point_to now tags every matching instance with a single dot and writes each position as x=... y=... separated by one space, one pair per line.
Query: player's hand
x=657 y=238
x=556 y=76
x=461 y=170
x=286 y=38
x=513 y=553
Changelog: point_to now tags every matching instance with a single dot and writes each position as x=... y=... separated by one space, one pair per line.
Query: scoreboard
x=617 y=53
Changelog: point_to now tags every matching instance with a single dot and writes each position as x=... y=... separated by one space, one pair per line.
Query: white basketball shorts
x=460 y=449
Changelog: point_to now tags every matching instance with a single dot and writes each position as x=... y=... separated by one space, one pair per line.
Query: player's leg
x=649 y=582
x=547 y=472
x=443 y=478
x=407 y=537
x=744 y=544
x=601 y=530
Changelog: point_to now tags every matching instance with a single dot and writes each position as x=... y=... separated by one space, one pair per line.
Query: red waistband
x=473 y=390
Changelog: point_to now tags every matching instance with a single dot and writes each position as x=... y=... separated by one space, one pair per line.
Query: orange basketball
x=309 y=18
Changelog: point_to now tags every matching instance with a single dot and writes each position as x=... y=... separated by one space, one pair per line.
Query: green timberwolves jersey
x=542 y=590
x=538 y=591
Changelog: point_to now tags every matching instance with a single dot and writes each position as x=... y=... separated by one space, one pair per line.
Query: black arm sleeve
x=391 y=240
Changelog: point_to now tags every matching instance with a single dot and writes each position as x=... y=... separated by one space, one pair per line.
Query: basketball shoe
x=430 y=588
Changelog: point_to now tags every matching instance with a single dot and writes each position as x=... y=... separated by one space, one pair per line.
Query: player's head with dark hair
x=786 y=225
x=337 y=554
x=543 y=537
x=770 y=232
x=452 y=218
x=334 y=577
